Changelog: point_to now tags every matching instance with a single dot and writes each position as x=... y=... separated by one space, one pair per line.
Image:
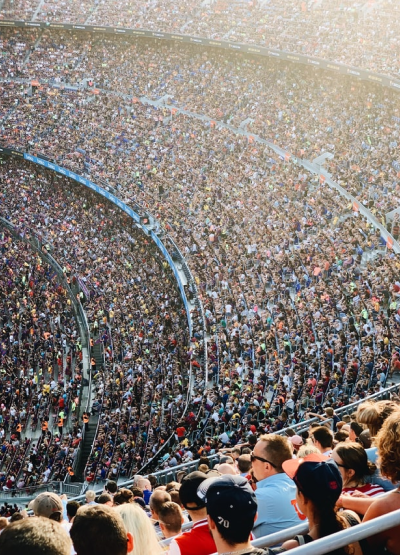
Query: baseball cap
x=230 y=501
x=316 y=477
x=188 y=490
x=45 y=504
x=296 y=440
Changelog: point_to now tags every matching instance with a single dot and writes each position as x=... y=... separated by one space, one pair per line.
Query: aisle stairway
x=86 y=448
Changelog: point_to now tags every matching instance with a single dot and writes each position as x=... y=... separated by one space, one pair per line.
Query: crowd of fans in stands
x=328 y=480
x=359 y=33
x=299 y=310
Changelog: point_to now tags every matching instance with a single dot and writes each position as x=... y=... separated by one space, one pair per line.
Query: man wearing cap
x=275 y=491
x=231 y=511
x=296 y=441
x=198 y=540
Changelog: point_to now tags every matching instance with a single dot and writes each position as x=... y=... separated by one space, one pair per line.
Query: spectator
x=355 y=469
x=319 y=485
x=123 y=496
x=105 y=499
x=99 y=529
x=198 y=540
x=158 y=498
x=268 y=456
x=139 y=526
x=244 y=464
x=231 y=512
x=72 y=509
x=322 y=438
x=90 y=496
x=387 y=443
x=35 y=536
x=170 y=518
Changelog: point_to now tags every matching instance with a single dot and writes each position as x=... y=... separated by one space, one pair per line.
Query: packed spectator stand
x=271 y=316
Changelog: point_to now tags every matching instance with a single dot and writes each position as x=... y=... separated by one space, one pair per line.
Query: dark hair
x=137 y=492
x=244 y=465
x=98 y=529
x=35 y=536
x=357 y=429
x=15 y=517
x=104 y=498
x=72 y=508
x=111 y=486
x=355 y=458
x=323 y=436
x=124 y=495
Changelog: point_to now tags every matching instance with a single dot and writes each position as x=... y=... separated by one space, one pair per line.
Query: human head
x=35 y=536
x=322 y=438
x=100 y=529
x=318 y=481
x=231 y=508
x=188 y=492
x=296 y=441
x=46 y=504
x=388 y=444
x=111 y=487
x=105 y=499
x=170 y=519
x=306 y=449
x=226 y=468
x=268 y=455
x=90 y=496
x=144 y=484
x=244 y=463
x=352 y=461
x=72 y=509
x=3 y=522
x=122 y=496
x=373 y=414
x=139 y=525
x=158 y=498
x=355 y=430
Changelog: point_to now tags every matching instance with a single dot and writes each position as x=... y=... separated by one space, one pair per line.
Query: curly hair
x=374 y=414
x=388 y=444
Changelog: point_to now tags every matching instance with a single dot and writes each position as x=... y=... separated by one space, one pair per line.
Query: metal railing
x=334 y=541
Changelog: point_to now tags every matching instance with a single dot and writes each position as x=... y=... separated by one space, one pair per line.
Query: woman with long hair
x=355 y=468
x=139 y=525
x=319 y=485
x=388 y=444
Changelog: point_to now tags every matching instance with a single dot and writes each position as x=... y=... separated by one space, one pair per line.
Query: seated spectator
x=268 y=456
x=319 y=485
x=99 y=529
x=111 y=487
x=158 y=498
x=355 y=469
x=197 y=541
x=35 y=536
x=123 y=496
x=244 y=464
x=387 y=442
x=231 y=511
x=139 y=526
x=105 y=499
x=72 y=509
x=90 y=497
x=170 y=518
x=322 y=438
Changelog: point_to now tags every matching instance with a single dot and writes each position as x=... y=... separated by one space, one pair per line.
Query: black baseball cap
x=188 y=490
x=316 y=477
x=230 y=501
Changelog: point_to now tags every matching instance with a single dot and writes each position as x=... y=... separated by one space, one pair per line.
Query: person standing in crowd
x=267 y=458
x=35 y=536
x=100 y=530
x=170 y=519
x=197 y=541
x=322 y=438
x=231 y=511
x=138 y=524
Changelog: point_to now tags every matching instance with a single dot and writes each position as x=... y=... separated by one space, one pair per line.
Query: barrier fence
x=315 y=62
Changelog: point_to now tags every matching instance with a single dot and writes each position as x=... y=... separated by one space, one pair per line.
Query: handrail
x=340 y=539
x=294 y=57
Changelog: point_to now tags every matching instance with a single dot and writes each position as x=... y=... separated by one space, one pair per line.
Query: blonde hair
x=373 y=415
x=307 y=449
x=139 y=525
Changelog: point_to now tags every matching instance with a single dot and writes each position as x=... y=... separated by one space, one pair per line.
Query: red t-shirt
x=180 y=431
x=197 y=541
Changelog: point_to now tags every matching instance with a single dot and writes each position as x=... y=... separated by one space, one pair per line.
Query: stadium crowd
x=330 y=483
x=310 y=28
x=303 y=312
